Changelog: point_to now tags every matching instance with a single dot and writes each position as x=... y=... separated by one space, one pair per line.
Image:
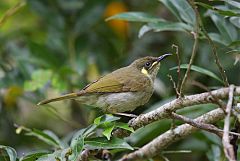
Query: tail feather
x=63 y=97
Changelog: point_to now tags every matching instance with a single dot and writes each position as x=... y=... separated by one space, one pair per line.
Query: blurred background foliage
x=51 y=47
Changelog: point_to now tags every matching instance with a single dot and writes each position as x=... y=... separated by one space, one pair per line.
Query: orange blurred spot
x=120 y=27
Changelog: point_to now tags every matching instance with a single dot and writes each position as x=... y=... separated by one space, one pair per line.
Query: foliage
x=50 y=47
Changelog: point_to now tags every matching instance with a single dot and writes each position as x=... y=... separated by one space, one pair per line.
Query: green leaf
x=200 y=70
x=33 y=156
x=125 y=126
x=39 y=79
x=10 y=151
x=108 y=131
x=105 y=119
x=164 y=26
x=235 y=21
x=181 y=9
x=233 y=3
x=58 y=83
x=218 y=10
x=76 y=146
x=218 y=38
x=57 y=155
x=46 y=136
x=134 y=17
x=103 y=143
x=227 y=30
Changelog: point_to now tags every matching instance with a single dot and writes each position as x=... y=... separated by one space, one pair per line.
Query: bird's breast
x=117 y=102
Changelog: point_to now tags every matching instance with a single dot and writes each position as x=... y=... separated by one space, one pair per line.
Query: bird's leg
x=126 y=114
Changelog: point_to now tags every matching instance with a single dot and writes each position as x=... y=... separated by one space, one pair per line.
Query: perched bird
x=122 y=90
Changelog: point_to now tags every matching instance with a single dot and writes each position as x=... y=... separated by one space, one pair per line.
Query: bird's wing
x=106 y=84
x=118 y=81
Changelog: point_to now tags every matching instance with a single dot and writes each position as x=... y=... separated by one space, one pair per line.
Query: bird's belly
x=117 y=102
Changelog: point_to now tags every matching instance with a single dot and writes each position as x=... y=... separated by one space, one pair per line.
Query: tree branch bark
x=161 y=142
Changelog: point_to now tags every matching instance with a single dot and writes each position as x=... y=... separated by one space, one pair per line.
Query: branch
x=228 y=148
x=164 y=110
x=154 y=147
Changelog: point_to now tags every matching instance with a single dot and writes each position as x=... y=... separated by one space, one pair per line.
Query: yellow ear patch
x=144 y=71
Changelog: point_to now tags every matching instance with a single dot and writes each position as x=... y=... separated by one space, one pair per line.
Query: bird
x=122 y=90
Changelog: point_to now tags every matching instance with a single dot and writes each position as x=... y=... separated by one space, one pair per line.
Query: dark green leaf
x=103 y=143
x=135 y=17
x=227 y=30
x=218 y=38
x=125 y=126
x=10 y=151
x=46 y=136
x=181 y=9
x=218 y=10
x=200 y=70
x=33 y=156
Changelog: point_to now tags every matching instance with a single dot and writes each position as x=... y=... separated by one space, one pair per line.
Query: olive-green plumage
x=122 y=90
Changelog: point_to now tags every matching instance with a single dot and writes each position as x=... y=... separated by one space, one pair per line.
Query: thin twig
x=178 y=71
x=195 y=45
x=228 y=148
x=215 y=54
x=208 y=127
x=174 y=86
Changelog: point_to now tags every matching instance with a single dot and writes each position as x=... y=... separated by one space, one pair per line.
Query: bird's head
x=149 y=65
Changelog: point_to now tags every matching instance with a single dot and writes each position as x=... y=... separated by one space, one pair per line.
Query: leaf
x=125 y=126
x=56 y=138
x=227 y=30
x=233 y=3
x=200 y=70
x=164 y=26
x=134 y=17
x=105 y=119
x=33 y=156
x=108 y=131
x=76 y=146
x=39 y=79
x=181 y=9
x=10 y=151
x=46 y=136
x=103 y=143
x=218 y=38
x=218 y=10
x=56 y=156
x=235 y=21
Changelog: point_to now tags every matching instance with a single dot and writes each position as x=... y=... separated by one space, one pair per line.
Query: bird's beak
x=163 y=57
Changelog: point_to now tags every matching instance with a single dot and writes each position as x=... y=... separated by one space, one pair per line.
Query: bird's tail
x=63 y=97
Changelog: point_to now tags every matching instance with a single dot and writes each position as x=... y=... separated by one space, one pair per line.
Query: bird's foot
x=126 y=114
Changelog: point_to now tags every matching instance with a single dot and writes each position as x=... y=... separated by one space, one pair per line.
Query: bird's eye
x=148 y=64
